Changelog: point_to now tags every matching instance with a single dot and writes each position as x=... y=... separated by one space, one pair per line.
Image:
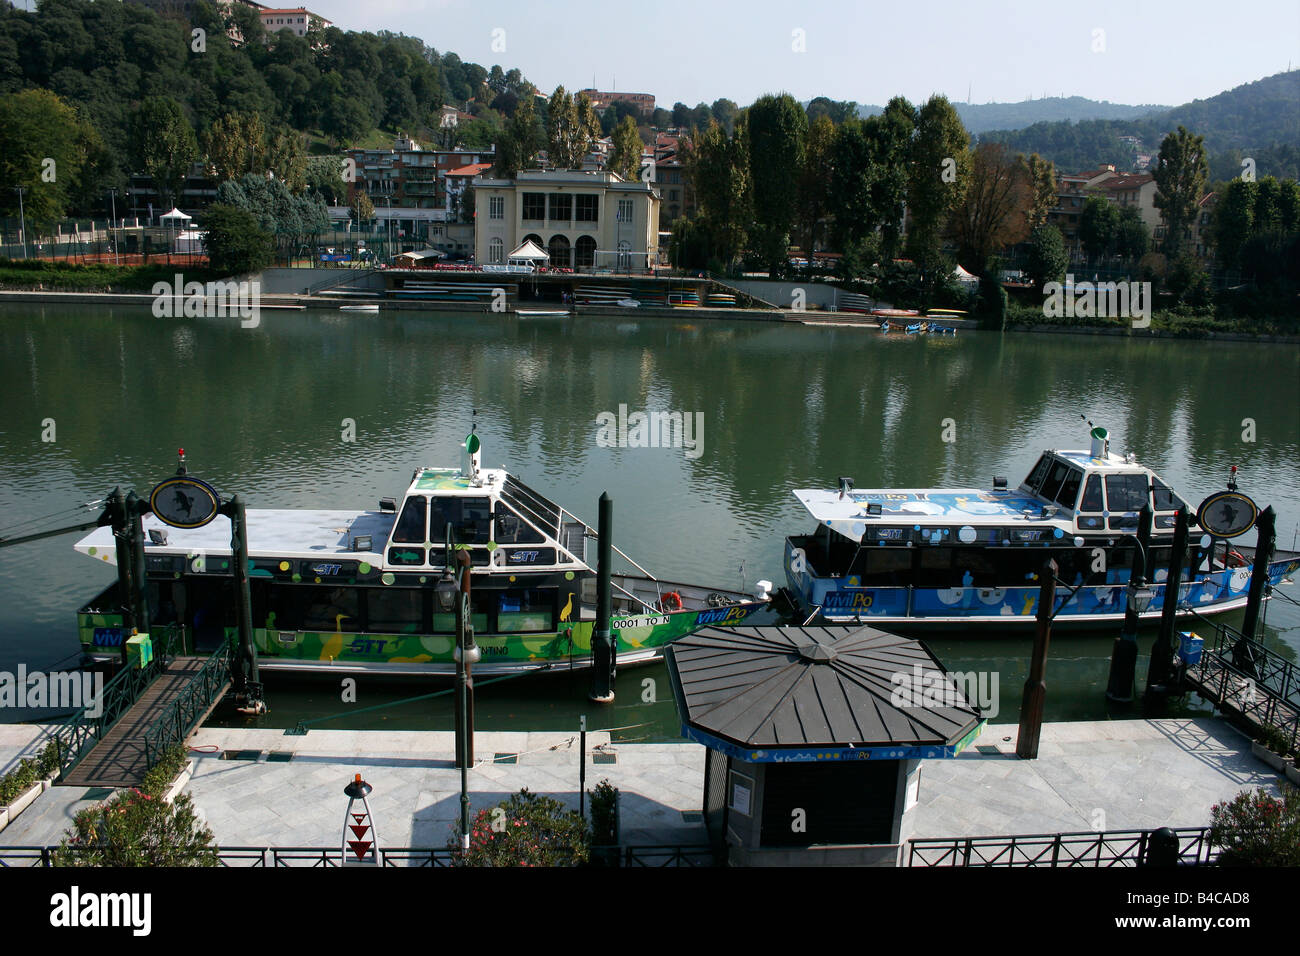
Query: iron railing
x=1243 y=676
x=1104 y=849
x=188 y=707
x=82 y=730
x=658 y=855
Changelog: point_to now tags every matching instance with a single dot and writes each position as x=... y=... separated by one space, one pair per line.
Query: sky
x=1133 y=52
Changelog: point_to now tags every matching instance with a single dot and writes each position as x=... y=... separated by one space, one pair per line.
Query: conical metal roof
x=809 y=693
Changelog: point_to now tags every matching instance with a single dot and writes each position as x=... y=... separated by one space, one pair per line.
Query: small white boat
x=534 y=313
x=358 y=308
x=629 y=303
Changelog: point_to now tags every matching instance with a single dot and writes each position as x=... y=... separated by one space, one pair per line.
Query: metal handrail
x=185 y=709
x=1105 y=848
x=75 y=737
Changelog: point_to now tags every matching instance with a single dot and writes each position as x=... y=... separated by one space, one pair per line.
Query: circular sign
x=185 y=502
x=1227 y=514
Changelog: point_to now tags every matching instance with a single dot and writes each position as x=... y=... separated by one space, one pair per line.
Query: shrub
x=1275 y=740
x=604 y=814
x=526 y=830
x=138 y=828
x=30 y=770
x=1256 y=829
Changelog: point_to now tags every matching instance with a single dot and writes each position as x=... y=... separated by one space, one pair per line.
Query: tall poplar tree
x=777 y=127
x=1180 y=176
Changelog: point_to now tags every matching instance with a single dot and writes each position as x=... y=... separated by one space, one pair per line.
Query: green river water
x=262 y=412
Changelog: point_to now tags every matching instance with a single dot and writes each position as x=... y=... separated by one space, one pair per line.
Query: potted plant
x=1272 y=747
x=1257 y=829
x=1292 y=770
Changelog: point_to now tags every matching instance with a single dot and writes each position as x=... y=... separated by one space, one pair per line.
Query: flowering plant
x=1257 y=829
x=525 y=830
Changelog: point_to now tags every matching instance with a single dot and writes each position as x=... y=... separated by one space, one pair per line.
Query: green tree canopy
x=1098 y=225
x=165 y=146
x=1047 y=257
x=1180 y=175
x=777 y=127
x=625 y=157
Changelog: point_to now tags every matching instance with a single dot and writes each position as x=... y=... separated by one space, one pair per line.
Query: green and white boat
x=354 y=591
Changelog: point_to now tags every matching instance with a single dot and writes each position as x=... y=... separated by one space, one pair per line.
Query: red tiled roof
x=472 y=170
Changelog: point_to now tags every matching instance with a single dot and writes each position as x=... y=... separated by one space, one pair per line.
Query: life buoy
x=672 y=601
x=1236 y=560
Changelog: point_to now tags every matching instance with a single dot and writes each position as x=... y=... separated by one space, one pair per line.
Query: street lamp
x=22 y=220
x=452 y=593
x=112 y=192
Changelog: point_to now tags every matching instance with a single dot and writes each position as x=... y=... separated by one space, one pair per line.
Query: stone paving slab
x=18 y=741
x=1090 y=775
x=1116 y=775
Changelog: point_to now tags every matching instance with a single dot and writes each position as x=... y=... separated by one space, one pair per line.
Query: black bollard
x=1162 y=848
x=1123 y=659
x=602 y=643
x=1264 y=548
x=1161 y=670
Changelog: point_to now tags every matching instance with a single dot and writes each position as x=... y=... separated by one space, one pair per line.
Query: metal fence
x=185 y=710
x=1123 y=848
x=650 y=855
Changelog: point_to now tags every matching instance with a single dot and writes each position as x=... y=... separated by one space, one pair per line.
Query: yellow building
x=585 y=220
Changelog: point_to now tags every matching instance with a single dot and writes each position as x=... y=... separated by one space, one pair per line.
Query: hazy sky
x=1134 y=52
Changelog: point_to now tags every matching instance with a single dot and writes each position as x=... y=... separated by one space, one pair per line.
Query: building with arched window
x=585 y=220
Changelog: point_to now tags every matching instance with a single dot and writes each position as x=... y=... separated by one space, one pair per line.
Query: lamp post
x=22 y=220
x=452 y=593
x=112 y=193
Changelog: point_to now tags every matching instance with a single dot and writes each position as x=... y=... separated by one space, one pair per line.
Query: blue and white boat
x=966 y=558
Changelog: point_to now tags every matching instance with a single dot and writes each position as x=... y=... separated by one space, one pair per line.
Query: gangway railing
x=185 y=710
x=348 y=276
x=77 y=735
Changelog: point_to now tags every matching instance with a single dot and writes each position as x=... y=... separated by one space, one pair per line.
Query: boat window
x=512 y=529
x=1038 y=474
x=1126 y=492
x=1069 y=489
x=410 y=526
x=936 y=558
x=1092 y=495
x=469 y=518
x=524 y=610
x=332 y=610
x=1164 y=497
x=886 y=560
x=480 y=603
x=394 y=610
x=1054 y=480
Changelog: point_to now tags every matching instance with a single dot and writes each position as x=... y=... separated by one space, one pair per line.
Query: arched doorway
x=584 y=253
x=559 y=251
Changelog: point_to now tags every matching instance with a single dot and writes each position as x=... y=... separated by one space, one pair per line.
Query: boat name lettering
x=108 y=637
x=639 y=622
x=848 y=600
x=889 y=534
x=524 y=556
x=1027 y=535
x=365 y=645
x=720 y=615
x=488 y=649
x=327 y=568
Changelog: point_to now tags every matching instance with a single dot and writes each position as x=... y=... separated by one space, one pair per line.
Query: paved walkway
x=1114 y=775
x=1090 y=775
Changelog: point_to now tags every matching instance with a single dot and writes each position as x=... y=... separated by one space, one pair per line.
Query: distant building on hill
x=601 y=100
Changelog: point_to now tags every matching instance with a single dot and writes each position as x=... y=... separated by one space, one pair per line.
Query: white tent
x=189 y=241
x=414 y=257
x=175 y=214
x=964 y=277
x=529 y=252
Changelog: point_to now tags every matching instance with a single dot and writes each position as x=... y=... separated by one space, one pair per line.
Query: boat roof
x=456 y=483
x=280 y=533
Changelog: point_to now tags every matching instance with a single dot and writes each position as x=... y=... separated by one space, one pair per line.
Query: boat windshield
x=470 y=519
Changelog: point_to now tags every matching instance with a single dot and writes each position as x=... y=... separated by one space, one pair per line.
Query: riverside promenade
x=287 y=791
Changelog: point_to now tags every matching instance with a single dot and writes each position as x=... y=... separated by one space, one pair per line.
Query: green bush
x=30 y=770
x=526 y=830
x=604 y=814
x=137 y=827
x=1256 y=829
x=1275 y=740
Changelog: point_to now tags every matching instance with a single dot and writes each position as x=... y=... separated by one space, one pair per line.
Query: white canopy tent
x=964 y=277
x=528 y=252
